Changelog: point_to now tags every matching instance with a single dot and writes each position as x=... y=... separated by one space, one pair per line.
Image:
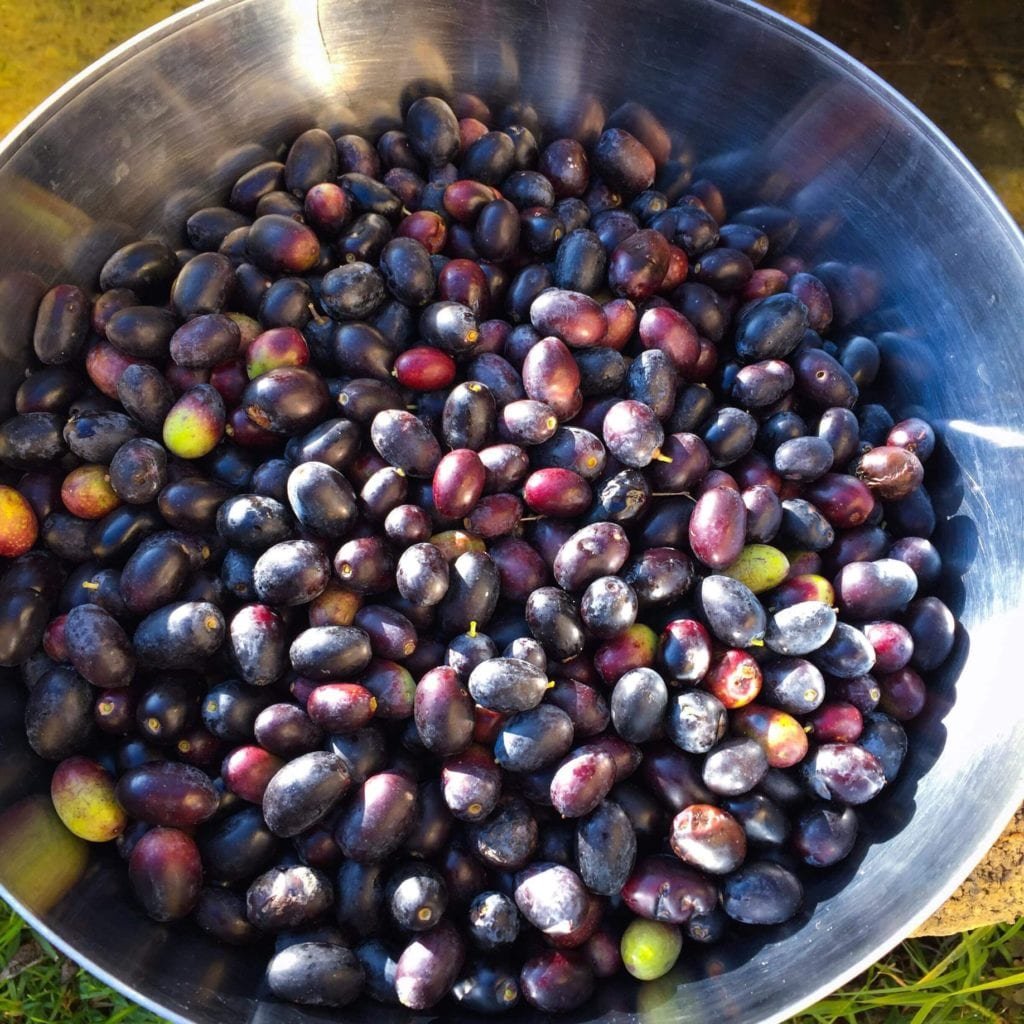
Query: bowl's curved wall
x=161 y=126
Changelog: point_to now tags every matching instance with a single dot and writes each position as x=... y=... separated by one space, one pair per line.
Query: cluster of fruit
x=471 y=566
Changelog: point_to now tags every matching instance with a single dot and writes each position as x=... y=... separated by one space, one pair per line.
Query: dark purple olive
x=377 y=819
x=204 y=284
x=379 y=961
x=322 y=499
x=822 y=380
x=166 y=873
x=805 y=526
x=472 y=595
x=330 y=652
x=825 y=834
x=363 y=753
x=551 y=897
x=286 y=400
x=333 y=442
x=933 y=630
x=556 y=981
x=564 y=163
x=205 y=341
x=581 y=782
x=521 y=569
x=717 y=530
x=405 y=442
x=507 y=685
x=534 y=739
x=288 y=897
x=729 y=435
x=861 y=358
x=362 y=351
x=180 y=635
x=51 y=389
x=360 y=897
x=58 y=714
x=508 y=838
x=663 y=889
x=145 y=394
x=316 y=974
x=553 y=618
x=291 y=573
x=417 y=897
x=624 y=161
x=286 y=730
x=433 y=133
x=146 y=267
x=734 y=767
x=572 y=316
x=429 y=966
x=443 y=712
x=98 y=647
x=770 y=328
x=638 y=264
x=62 y=324
x=471 y=783
x=144 y=332
x=31 y=440
x=914 y=434
x=874 y=590
x=886 y=739
x=597 y=550
x=761 y=893
x=167 y=793
x=844 y=772
x=585 y=706
x=800 y=628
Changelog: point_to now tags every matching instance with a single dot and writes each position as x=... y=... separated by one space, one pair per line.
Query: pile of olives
x=473 y=567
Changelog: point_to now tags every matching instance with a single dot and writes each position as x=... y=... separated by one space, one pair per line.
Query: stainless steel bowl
x=160 y=125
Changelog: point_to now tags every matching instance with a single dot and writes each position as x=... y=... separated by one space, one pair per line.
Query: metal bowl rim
x=22 y=132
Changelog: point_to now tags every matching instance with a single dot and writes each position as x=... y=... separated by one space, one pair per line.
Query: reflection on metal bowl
x=922 y=257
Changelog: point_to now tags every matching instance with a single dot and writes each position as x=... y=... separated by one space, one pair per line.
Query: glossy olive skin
x=507 y=685
x=378 y=818
x=303 y=792
x=166 y=873
x=554 y=621
x=316 y=974
x=287 y=897
x=556 y=981
x=23 y=617
x=31 y=440
x=665 y=889
x=534 y=739
x=155 y=574
x=165 y=793
x=180 y=635
x=428 y=967
x=62 y=324
x=98 y=647
x=360 y=897
x=58 y=714
x=472 y=594
x=330 y=652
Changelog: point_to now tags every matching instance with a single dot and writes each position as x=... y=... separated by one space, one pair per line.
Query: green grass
x=40 y=986
x=974 y=978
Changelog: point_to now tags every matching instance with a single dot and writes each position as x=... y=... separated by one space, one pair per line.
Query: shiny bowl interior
x=163 y=123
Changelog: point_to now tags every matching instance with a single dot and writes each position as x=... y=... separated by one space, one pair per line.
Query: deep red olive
x=458 y=483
